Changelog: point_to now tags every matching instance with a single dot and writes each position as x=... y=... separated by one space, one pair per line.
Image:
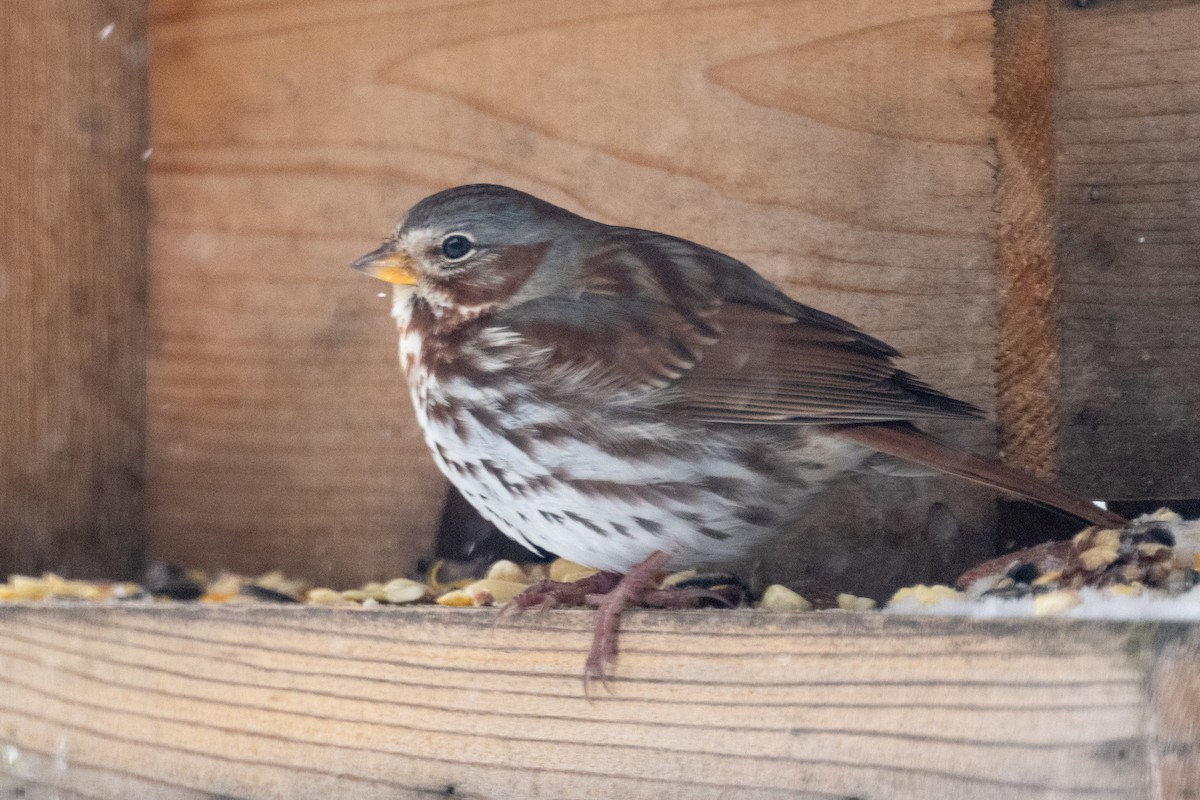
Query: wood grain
x=72 y=286
x=842 y=149
x=1028 y=339
x=1129 y=147
x=1175 y=696
x=313 y=703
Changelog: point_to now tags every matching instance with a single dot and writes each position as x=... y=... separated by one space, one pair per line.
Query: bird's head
x=473 y=249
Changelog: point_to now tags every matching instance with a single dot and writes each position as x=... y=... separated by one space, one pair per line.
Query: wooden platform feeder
x=1009 y=192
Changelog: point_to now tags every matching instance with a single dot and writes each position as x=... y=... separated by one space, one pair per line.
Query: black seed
x=1024 y=573
x=1161 y=536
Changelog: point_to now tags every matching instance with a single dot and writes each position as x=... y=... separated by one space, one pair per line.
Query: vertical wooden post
x=72 y=285
x=1027 y=369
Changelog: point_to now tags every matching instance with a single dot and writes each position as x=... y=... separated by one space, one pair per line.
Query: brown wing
x=769 y=366
x=649 y=311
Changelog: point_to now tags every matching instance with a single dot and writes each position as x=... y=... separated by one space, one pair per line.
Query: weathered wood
x=1175 y=703
x=1027 y=340
x=1128 y=127
x=316 y=703
x=842 y=149
x=72 y=286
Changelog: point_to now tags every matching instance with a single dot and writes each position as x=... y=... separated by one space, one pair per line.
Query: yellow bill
x=388 y=265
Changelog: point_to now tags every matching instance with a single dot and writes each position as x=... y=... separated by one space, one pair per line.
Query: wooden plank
x=1129 y=148
x=72 y=286
x=841 y=148
x=1175 y=698
x=298 y=702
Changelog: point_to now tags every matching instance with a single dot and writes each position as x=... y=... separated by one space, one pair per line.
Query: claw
x=610 y=594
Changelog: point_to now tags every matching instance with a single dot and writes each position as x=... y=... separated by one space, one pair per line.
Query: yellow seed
x=226 y=583
x=1047 y=605
x=1098 y=557
x=81 y=590
x=25 y=587
x=504 y=570
x=569 y=572
x=326 y=597
x=356 y=595
x=926 y=595
x=849 y=602
x=54 y=583
x=276 y=581
x=497 y=591
x=1045 y=578
x=402 y=590
x=676 y=578
x=1151 y=549
x=1126 y=589
x=456 y=597
x=778 y=597
x=124 y=591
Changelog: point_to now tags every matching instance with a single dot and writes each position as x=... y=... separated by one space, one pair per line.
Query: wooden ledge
x=304 y=702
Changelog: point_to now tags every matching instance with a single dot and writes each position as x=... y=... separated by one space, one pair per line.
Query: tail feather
x=907 y=443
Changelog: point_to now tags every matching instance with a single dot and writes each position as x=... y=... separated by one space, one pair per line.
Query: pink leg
x=610 y=594
x=627 y=592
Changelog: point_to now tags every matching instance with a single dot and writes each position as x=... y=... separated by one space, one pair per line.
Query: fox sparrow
x=630 y=400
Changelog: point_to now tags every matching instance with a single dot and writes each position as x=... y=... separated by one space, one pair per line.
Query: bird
x=634 y=401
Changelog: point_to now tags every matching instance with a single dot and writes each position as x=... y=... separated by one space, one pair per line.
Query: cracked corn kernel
x=1097 y=558
x=321 y=596
x=26 y=587
x=456 y=598
x=504 y=570
x=1166 y=515
x=497 y=591
x=402 y=590
x=1047 y=605
x=926 y=595
x=1047 y=578
x=565 y=571
x=1104 y=545
x=849 y=602
x=778 y=597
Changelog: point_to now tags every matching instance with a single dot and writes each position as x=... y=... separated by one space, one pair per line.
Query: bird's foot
x=610 y=594
x=630 y=590
x=638 y=589
x=551 y=594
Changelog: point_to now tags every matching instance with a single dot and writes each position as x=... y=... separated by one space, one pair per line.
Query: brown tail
x=908 y=443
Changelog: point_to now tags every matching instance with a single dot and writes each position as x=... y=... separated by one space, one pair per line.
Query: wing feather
x=671 y=318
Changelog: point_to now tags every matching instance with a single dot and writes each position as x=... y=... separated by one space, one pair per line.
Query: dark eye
x=456 y=246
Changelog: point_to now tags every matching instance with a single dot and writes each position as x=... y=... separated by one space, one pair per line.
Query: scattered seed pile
x=1146 y=558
